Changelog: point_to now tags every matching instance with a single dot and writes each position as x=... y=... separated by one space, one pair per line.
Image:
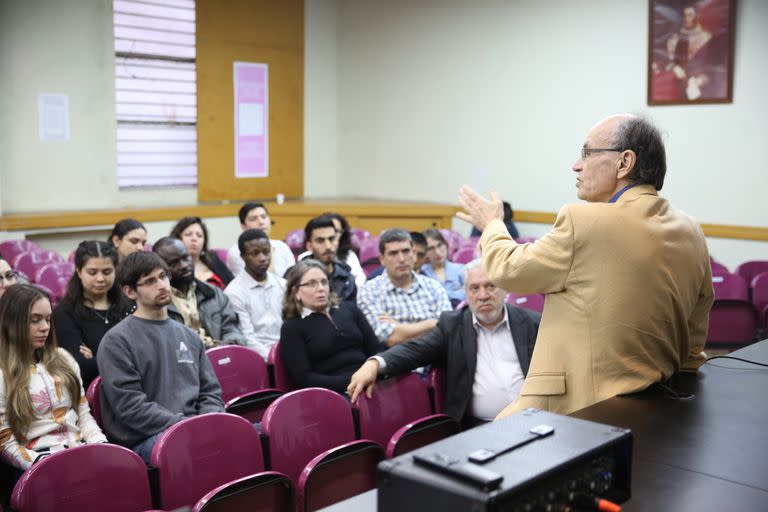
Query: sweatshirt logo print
x=183 y=355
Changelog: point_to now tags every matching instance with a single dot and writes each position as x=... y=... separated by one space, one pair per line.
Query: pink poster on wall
x=251 y=115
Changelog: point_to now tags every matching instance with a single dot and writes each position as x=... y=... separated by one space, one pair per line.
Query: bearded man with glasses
x=627 y=278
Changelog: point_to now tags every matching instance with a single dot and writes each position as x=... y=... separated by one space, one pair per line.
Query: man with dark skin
x=198 y=305
x=256 y=294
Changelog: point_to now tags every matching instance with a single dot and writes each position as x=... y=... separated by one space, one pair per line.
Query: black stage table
x=704 y=449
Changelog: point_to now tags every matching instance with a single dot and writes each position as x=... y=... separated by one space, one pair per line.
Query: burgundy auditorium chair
x=295 y=240
x=395 y=403
x=12 y=248
x=282 y=381
x=534 y=301
x=92 y=394
x=268 y=491
x=29 y=262
x=750 y=269
x=244 y=379
x=201 y=453
x=338 y=474
x=369 y=255
x=464 y=255
x=760 y=297
x=86 y=477
x=732 y=319
x=302 y=424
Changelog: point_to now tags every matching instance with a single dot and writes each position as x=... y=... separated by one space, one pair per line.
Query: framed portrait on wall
x=690 y=51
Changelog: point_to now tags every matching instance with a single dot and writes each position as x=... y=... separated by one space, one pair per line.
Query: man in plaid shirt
x=401 y=305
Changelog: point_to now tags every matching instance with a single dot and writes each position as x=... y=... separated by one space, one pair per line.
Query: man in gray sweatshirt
x=154 y=369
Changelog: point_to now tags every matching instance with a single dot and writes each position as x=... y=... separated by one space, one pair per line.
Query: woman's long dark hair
x=345 y=237
x=17 y=359
x=123 y=227
x=75 y=296
x=183 y=224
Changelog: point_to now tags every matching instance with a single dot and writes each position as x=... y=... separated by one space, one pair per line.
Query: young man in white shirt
x=256 y=294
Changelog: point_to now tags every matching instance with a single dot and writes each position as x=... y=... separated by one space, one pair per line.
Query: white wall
x=408 y=100
x=501 y=93
x=320 y=98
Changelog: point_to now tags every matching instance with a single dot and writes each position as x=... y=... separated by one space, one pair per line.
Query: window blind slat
x=158 y=49
x=131 y=20
x=154 y=10
x=128 y=132
x=156 y=98
x=131 y=84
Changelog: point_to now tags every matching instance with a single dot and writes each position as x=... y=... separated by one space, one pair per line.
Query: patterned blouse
x=56 y=425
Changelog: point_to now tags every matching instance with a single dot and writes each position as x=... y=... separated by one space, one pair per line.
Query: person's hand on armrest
x=363 y=380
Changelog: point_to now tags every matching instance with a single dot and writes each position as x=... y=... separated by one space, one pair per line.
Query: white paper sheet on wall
x=53 y=117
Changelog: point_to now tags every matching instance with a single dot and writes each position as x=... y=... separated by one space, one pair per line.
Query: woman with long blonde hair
x=42 y=403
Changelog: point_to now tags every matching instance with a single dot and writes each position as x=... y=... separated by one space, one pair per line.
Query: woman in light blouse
x=42 y=403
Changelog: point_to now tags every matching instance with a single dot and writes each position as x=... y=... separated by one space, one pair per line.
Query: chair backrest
x=421 y=433
x=55 y=268
x=534 y=302
x=338 y=474
x=749 y=269
x=717 y=267
x=87 y=477
x=760 y=295
x=395 y=402
x=282 y=380
x=11 y=248
x=92 y=394
x=201 y=453
x=304 y=423
x=732 y=323
x=730 y=287
x=221 y=253
x=437 y=381
x=369 y=251
x=453 y=239
x=358 y=236
x=239 y=370
x=295 y=240
x=268 y=491
x=464 y=255
x=28 y=262
x=55 y=276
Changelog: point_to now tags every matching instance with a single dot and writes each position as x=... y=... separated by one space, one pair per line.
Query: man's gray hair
x=475 y=263
x=393 y=235
x=644 y=139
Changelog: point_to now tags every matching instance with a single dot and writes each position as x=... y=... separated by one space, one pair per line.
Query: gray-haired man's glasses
x=585 y=151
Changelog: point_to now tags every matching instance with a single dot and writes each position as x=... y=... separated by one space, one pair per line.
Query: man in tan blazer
x=627 y=278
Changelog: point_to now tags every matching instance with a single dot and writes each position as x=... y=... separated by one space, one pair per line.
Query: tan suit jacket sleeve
x=540 y=267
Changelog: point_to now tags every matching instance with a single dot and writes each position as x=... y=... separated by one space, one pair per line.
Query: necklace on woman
x=105 y=317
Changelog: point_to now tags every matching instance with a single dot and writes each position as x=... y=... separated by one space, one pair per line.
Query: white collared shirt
x=282 y=258
x=259 y=308
x=498 y=375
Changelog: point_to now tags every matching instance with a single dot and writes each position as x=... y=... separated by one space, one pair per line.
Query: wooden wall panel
x=264 y=31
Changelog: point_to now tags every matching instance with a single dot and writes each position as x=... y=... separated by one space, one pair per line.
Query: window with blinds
x=156 y=94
